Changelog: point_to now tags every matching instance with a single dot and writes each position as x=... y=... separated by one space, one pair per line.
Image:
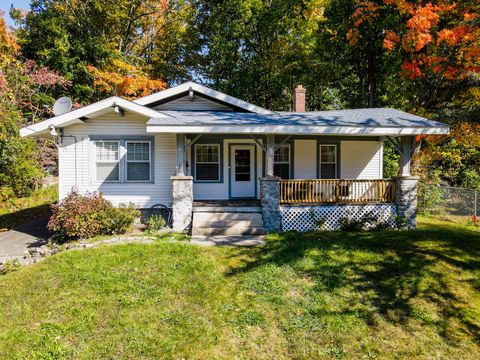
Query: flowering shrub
x=84 y=216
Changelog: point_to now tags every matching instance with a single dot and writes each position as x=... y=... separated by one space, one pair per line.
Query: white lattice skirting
x=304 y=218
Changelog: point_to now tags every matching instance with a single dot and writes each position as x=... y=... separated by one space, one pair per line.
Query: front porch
x=214 y=170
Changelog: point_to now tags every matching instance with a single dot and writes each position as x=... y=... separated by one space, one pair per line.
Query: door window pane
x=207 y=162
x=242 y=165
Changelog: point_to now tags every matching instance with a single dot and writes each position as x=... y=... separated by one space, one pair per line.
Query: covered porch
x=230 y=166
x=272 y=169
x=330 y=158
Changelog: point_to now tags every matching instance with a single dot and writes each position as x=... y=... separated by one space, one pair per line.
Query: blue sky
x=5 y=6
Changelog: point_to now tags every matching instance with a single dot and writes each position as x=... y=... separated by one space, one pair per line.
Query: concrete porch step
x=231 y=224
x=227 y=223
x=227 y=209
x=227 y=231
x=226 y=216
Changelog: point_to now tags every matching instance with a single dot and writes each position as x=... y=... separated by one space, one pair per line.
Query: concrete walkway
x=15 y=242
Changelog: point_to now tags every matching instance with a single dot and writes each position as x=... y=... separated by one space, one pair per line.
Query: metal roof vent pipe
x=299 y=99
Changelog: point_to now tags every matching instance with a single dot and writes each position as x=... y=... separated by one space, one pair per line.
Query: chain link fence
x=446 y=200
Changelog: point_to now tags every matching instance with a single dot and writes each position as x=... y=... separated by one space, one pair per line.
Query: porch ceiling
x=345 y=122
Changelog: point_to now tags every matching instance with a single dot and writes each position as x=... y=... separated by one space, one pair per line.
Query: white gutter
x=301 y=130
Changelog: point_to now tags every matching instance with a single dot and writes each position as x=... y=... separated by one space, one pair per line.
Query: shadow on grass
x=390 y=270
x=20 y=217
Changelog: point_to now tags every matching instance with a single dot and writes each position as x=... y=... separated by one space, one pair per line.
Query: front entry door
x=242 y=171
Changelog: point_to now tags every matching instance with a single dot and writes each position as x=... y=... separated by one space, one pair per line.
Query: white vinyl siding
x=361 y=159
x=305 y=163
x=142 y=194
x=198 y=104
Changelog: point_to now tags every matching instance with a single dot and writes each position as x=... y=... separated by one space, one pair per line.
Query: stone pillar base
x=270 y=199
x=406 y=200
x=182 y=190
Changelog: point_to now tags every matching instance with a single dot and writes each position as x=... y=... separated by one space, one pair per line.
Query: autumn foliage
x=455 y=158
x=126 y=81
x=442 y=37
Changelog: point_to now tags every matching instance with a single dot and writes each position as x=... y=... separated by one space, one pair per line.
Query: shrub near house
x=83 y=216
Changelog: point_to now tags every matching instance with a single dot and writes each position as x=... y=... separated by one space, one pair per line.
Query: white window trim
x=108 y=162
x=138 y=161
x=320 y=162
x=289 y=162
x=202 y=162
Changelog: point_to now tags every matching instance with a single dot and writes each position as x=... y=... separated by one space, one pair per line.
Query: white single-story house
x=191 y=144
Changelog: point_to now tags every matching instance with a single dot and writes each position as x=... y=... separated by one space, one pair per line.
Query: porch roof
x=377 y=121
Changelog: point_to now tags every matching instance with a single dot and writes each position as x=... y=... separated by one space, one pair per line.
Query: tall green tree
x=257 y=50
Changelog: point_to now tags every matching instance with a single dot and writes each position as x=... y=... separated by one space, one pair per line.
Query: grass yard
x=17 y=211
x=385 y=295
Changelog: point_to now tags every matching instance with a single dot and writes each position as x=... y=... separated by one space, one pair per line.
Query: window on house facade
x=123 y=160
x=328 y=161
x=107 y=160
x=281 y=162
x=138 y=161
x=207 y=162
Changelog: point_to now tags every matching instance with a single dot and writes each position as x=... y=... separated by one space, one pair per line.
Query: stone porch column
x=270 y=200
x=182 y=190
x=406 y=200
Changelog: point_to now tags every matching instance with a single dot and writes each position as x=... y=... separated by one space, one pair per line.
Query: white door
x=242 y=171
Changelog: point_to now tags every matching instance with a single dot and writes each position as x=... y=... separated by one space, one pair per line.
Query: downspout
x=62 y=136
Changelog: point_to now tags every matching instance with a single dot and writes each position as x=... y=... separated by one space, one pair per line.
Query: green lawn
x=385 y=295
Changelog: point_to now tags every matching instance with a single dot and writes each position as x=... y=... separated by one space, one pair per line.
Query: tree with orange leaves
x=437 y=44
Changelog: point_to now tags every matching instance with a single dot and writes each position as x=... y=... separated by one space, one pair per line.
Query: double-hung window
x=138 y=161
x=328 y=161
x=207 y=162
x=281 y=161
x=107 y=160
x=123 y=160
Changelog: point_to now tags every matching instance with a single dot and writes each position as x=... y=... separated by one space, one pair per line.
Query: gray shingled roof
x=373 y=117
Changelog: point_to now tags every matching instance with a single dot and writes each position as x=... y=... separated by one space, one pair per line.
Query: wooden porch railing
x=336 y=191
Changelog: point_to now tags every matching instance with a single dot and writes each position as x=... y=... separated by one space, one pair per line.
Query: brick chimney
x=299 y=99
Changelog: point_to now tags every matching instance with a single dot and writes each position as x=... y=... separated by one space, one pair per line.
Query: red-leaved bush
x=84 y=216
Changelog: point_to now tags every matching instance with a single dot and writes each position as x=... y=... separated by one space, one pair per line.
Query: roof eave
x=301 y=130
x=75 y=116
x=214 y=94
